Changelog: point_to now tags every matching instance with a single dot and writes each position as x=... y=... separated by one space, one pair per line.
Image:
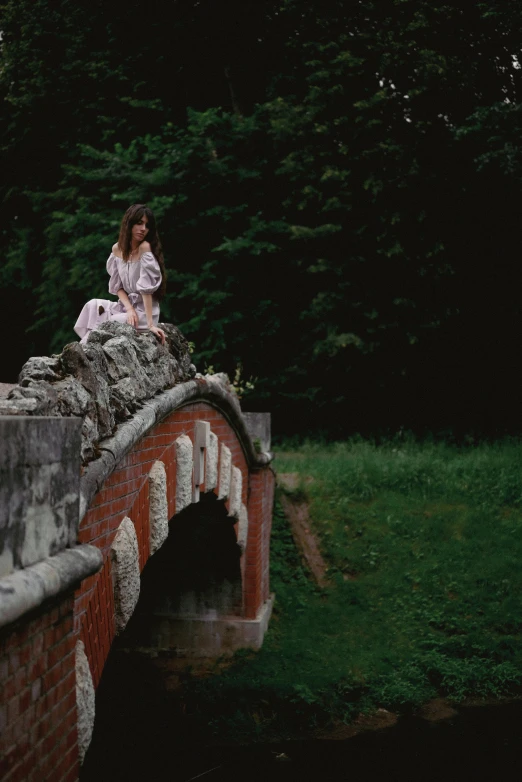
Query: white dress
x=136 y=278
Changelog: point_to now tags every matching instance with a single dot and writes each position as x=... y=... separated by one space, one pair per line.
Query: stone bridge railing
x=104 y=382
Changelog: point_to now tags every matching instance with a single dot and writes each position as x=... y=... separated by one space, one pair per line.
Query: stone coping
x=209 y=388
x=25 y=590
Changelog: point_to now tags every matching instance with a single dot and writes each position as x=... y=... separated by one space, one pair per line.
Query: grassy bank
x=424 y=547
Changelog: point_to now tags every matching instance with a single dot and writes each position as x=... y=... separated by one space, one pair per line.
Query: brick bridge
x=68 y=591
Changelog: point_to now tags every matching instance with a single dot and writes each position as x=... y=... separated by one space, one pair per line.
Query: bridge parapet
x=41 y=565
x=104 y=382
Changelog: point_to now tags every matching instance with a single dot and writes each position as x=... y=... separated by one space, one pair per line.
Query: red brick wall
x=125 y=493
x=256 y=582
x=268 y=508
x=38 y=738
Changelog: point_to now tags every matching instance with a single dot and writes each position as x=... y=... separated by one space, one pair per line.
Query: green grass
x=424 y=546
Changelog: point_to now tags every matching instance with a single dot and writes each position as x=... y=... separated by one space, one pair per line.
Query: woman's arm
x=132 y=317
x=147 y=303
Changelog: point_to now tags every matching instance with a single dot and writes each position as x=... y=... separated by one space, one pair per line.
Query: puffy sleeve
x=150 y=274
x=115 y=283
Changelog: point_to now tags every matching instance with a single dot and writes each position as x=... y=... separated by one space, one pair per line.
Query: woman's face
x=140 y=230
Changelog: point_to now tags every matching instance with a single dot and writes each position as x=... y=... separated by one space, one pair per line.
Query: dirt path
x=297 y=514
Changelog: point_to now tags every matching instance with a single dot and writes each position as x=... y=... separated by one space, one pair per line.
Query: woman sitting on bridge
x=137 y=278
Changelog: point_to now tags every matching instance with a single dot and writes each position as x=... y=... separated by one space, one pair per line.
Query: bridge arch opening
x=191 y=584
x=194 y=577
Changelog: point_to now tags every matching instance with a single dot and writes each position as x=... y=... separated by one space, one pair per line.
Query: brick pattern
x=256 y=586
x=268 y=509
x=252 y=590
x=38 y=735
x=125 y=493
x=38 y=738
x=98 y=628
x=169 y=460
x=140 y=517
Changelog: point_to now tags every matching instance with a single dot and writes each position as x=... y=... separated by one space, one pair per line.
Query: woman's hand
x=158 y=333
x=132 y=318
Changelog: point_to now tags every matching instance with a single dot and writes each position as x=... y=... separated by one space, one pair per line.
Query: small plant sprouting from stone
x=240 y=385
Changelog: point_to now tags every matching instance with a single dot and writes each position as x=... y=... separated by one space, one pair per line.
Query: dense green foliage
x=423 y=543
x=337 y=188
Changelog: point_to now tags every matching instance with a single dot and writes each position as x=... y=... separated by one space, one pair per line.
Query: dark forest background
x=337 y=187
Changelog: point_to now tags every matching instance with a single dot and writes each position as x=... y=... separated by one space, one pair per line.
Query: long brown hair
x=132 y=216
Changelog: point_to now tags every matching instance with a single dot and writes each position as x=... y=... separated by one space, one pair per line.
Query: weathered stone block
x=85 y=700
x=22 y=406
x=123 y=395
x=258 y=426
x=236 y=486
x=73 y=399
x=89 y=366
x=40 y=368
x=122 y=360
x=210 y=636
x=39 y=488
x=179 y=347
x=125 y=572
x=89 y=437
x=242 y=531
x=225 y=469
x=159 y=514
x=211 y=475
x=35 y=397
x=184 y=464
x=108 y=330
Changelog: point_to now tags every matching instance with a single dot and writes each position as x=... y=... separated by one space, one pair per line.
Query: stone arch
x=187 y=442
x=191 y=587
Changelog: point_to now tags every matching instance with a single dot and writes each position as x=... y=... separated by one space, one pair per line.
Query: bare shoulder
x=115 y=248
x=144 y=247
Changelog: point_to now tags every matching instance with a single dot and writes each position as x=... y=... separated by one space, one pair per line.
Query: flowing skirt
x=95 y=312
x=98 y=311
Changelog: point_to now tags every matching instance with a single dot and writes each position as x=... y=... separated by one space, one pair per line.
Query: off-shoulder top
x=136 y=278
x=141 y=276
